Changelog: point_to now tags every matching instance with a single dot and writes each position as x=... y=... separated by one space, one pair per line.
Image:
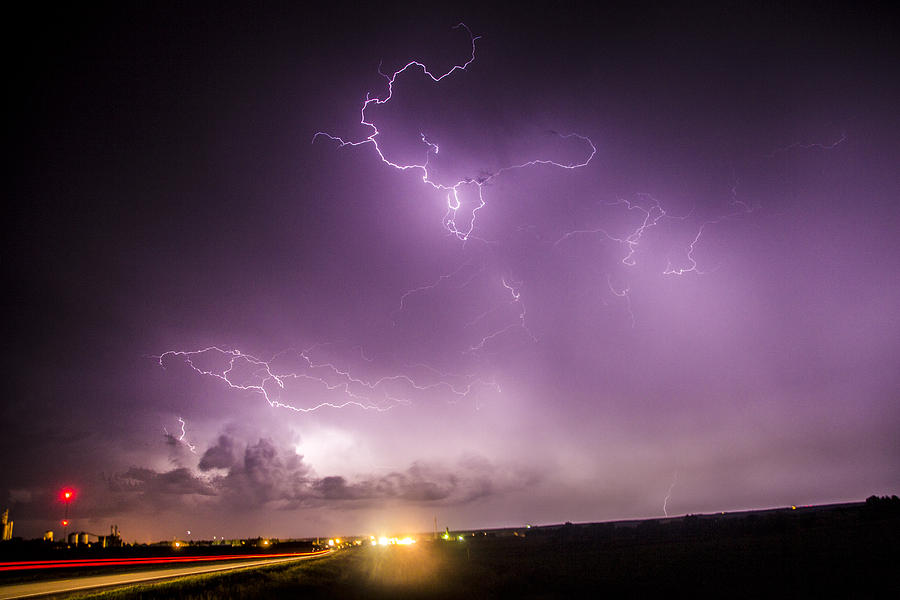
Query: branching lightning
x=270 y=382
x=692 y=263
x=652 y=215
x=461 y=231
x=515 y=299
x=810 y=145
x=435 y=284
x=383 y=393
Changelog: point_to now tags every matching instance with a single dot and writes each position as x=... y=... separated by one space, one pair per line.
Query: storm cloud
x=219 y=321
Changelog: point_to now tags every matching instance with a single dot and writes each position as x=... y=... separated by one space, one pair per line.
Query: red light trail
x=103 y=562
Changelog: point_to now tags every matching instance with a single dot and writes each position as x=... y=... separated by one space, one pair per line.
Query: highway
x=59 y=586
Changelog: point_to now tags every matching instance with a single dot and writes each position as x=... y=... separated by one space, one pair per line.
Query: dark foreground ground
x=843 y=553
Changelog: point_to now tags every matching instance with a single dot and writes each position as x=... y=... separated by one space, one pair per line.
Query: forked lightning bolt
x=270 y=383
x=381 y=394
x=653 y=213
x=515 y=299
x=462 y=231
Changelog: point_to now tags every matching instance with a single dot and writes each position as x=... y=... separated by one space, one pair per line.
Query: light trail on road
x=100 y=562
x=43 y=588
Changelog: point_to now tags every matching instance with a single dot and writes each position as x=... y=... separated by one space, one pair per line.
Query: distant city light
x=386 y=541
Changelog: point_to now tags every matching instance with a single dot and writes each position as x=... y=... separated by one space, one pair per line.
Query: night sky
x=217 y=323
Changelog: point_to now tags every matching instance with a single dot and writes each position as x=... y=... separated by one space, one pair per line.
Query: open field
x=848 y=553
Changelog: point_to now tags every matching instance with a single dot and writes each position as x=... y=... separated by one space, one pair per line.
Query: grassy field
x=843 y=550
x=837 y=556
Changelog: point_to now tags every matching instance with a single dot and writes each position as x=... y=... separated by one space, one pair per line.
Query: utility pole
x=67 y=496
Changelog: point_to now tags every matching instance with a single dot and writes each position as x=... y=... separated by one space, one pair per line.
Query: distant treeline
x=884 y=505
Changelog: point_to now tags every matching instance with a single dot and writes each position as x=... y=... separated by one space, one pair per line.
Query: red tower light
x=67 y=495
x=65 y=523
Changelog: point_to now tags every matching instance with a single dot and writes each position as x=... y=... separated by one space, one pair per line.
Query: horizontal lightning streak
x=810 y=146
x=360 y=391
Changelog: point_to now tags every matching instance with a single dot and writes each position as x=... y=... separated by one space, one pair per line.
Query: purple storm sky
x=217 y=323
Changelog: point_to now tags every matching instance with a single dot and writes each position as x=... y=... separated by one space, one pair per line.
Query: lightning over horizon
x=364 y=265
x=373 y=394
x=262 y=378
x=669 y=494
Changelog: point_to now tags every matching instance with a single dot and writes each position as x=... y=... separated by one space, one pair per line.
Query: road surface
x=59 y=586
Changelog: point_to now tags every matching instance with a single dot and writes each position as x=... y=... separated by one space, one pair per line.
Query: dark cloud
x=266 y=475
x=468 y=480
x=170 y=199
x=219 y=456
x=335 y=487
x=146 y=482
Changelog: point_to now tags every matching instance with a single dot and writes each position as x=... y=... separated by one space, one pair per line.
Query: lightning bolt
x=265 y=380
x=434 y=285
x=692 y=263
x=192 y=447
x=269 y=381
x=743 y=207
x=623 y=293
x=181 y=439
x=810 y=145
x=652 y=215
x=515 y=300
x=669 y=494
x=462 y=231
